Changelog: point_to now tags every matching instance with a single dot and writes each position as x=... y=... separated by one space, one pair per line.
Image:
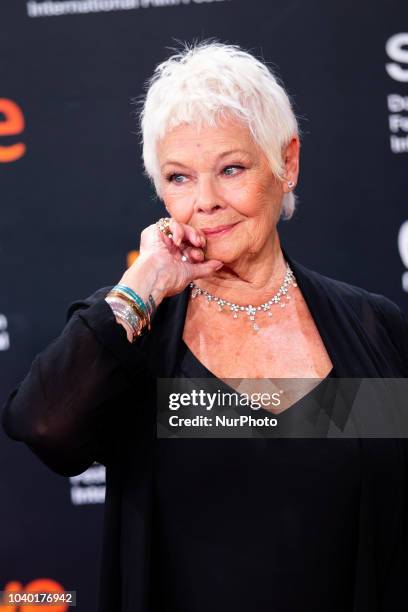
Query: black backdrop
x=74 y=198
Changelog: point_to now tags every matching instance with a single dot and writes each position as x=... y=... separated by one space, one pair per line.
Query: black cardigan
x=91 y=396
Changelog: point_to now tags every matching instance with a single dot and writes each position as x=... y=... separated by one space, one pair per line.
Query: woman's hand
x=160 y=269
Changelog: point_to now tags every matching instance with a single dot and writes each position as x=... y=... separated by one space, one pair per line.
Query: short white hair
x=208 y=81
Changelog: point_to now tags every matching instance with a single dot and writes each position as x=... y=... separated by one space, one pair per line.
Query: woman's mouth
x=220 y=230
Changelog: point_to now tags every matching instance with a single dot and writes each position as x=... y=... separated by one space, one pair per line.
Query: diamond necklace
x=250 y=310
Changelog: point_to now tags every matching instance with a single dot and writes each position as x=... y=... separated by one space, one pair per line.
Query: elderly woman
x=240 y=524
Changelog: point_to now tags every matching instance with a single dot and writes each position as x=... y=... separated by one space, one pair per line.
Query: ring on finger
x=163 y=225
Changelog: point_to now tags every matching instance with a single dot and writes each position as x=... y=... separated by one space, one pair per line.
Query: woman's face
x=218 y=176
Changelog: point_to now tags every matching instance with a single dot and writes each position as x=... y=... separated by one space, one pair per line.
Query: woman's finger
x=194 y=236
x=177 y=230
x=206 y=268
x=186 y=233
x=192 y=254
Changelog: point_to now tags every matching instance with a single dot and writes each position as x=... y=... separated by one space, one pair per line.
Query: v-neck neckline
x=339 y=327
x=190 y=366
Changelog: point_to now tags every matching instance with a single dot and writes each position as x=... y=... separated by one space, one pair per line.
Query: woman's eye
x=176 y=178
x=229 y=170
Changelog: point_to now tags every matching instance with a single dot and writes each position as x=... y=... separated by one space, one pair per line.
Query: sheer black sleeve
x=64 y=409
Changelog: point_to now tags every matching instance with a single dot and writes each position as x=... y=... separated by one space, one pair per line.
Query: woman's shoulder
x=359 y=297
x=373 y=310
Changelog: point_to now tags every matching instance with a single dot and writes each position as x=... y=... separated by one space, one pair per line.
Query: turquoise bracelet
x=133 y=295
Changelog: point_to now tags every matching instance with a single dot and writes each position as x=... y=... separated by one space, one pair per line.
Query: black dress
x=255 y=524
x=276 y=522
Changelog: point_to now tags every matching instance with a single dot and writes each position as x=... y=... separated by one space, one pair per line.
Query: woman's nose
x=207 y=198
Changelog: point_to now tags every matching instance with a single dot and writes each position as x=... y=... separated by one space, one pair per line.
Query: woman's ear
x=291 y=161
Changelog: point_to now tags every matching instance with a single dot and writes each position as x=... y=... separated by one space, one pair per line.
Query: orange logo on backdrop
x=12 y=124
x=40 y=585
x=131 y=257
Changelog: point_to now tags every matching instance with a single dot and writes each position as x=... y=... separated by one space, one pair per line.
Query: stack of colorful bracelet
x=129 y=307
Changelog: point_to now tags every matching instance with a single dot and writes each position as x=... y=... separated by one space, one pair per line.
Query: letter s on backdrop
x=396 y=51
x=12 y=124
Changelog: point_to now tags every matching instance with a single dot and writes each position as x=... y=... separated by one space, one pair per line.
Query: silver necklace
x=251 y=311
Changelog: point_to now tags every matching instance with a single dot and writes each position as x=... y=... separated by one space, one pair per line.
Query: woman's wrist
x=135 y=298
x=145 y=279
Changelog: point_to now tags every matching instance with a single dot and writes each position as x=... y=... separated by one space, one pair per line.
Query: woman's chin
x=222 y=254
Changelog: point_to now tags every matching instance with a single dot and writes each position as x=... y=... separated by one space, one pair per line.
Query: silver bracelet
x=126 y=311
x=126 y=314
x=129 y=330
x=122 y=307
x=134 y=330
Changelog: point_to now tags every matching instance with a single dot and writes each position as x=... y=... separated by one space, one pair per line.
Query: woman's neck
x=252 y=279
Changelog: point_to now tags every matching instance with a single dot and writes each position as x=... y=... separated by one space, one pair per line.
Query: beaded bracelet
x=135 y=308
x=134 y=305
x=127 y=315
x=119 y=315
x=127 y=293
x=129 y=329
x=126 y=310
x=143 y=311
